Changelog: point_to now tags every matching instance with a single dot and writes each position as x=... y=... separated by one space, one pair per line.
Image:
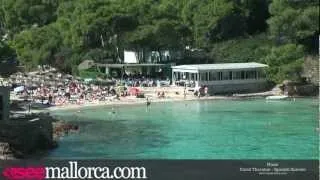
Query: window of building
x=192 y=78
x=243 y=75
x=214 y=76
x=236 y=75
x=251 y=74
x=225 y=75
x=203 y=76
x=178 y=75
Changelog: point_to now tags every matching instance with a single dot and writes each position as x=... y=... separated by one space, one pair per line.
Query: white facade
x=130 y=57
x=220 y=77
x=150 y=56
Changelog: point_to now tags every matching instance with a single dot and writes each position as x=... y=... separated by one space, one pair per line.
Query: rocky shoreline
x=31 y=135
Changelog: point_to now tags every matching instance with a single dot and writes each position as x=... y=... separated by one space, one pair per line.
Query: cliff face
x=311 y=70
x=21 y=137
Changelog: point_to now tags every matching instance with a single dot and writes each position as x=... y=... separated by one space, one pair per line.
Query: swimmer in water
x=148 y=105
x=113 y=111
x=148 y=102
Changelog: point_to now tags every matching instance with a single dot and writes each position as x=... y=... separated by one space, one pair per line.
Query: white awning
x=224 y=66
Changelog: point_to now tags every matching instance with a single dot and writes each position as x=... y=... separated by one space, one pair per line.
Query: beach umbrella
x=134 y=91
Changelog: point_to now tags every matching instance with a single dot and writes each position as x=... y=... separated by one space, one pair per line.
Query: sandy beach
x=171 y=96
x=129 y=101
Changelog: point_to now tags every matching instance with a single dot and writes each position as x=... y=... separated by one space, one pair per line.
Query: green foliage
x=291 y=22
x=6 y=50
x=98 y=55
x=241 y=50
x=285 y=62
x=37 y=45
x=22 y=14
x=65 y=32
x=91 y=73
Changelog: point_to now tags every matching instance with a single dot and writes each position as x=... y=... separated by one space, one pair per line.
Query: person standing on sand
x=206 y=90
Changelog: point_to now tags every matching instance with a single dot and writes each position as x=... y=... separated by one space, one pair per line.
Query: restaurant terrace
x=222 y=78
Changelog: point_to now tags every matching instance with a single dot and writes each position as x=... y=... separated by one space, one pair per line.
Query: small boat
x=281 y=97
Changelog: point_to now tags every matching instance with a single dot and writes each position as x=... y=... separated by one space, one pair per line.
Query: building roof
x=223 y=66
x=129 y=65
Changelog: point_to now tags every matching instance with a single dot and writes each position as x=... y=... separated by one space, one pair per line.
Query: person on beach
x=206 y=90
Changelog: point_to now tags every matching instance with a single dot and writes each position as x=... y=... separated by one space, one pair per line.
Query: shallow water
x=216 y=129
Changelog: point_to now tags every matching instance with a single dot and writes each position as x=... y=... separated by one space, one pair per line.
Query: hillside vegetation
x=63 y=33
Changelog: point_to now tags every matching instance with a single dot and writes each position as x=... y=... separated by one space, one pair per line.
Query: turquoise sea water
x=215 y=129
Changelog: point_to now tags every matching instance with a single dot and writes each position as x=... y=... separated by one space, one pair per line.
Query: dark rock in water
x=300 y=89
x=61 y=128
x=25 y=136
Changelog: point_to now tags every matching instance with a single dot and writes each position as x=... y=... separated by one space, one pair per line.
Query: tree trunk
x=160 y=56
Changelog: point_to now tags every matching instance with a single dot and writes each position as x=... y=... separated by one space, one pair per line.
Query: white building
x=222 y=78
x=154 y=57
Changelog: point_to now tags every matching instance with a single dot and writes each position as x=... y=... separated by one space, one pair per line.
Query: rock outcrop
x=300 y=89
x=26 y=136
x=61 y=128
